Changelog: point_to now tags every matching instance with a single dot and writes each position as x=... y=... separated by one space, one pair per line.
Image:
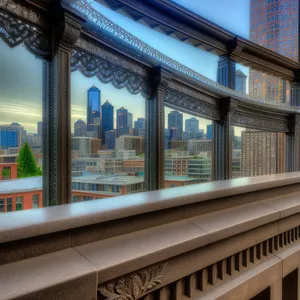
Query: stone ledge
x=26 y=224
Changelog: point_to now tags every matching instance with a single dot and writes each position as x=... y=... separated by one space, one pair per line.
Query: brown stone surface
x=59 y=275
x=228 y=222
x=120 y=255
x=18 y=225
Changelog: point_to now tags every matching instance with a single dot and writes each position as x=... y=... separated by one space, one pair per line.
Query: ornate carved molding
x=71 y=32
x=111 y=56
x=15 y=32
x=191 y=105
x=259 y=122
x=189 y=91
x=134 y=286
x=22 y=10
x=90 y=65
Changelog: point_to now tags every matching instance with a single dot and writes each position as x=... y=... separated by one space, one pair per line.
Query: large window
x=9 y=205
x=2 y=205
x=35 y=201
x=188 y=149
x=19 y=203
x=20 y=125
x=108 y=137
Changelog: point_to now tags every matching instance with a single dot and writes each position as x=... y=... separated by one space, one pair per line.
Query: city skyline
x=21 y=98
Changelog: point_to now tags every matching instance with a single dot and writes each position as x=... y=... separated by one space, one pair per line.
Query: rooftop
x=21 y=185
x=109 y=179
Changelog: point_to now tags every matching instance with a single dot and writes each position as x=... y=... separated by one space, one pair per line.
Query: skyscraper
x=262 y=153
x=274 y=25
x=40 y=129
x=11 y=136
x=240 y=81
x=93 y=110
x=209 y=133
x=192 y=126
x=124 y=121
x=107 y=119
x=175 y=121
x=110 y=139
x=139 y=126
x=79 y=128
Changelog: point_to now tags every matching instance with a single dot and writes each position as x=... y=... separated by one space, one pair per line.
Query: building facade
x=175 y=122
x=79 y=128
x=11 y=136
x=130 y=143
x=240 y=81
x=262 y=153
x=107 y=119
x=274 y=25
x=94 y=110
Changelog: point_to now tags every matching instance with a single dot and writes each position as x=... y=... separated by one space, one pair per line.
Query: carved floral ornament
x=134 y=286
x=90 y=65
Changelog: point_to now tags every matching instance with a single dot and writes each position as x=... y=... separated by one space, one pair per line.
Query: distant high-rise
x=130 y=143
x=129 y=120
x=124 y=121
x=79 y=128
x=192 y=126
x=11 y=136
x=93 y=110
x=140 y=123
x=175 y=121
x=240 y=81
x=209 y=133
x=40 y=129
x=107 y=119
x=262 y=153
x=274 y=25
x=110 y=139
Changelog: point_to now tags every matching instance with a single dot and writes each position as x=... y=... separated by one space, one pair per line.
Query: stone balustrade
x=235 y=239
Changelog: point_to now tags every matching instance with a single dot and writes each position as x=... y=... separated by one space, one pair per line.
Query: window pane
x=19 y=203
x=1 y=205
x=35 y=201
x=188 y=149
x=20 y=125
x=9 y=204
x=108 y=127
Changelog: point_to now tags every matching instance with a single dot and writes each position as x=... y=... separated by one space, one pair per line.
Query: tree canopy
x=27 y=166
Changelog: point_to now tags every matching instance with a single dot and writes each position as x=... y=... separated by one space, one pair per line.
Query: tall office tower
x=124 y=121
x=40 y=129
x=129 y=120
x=175 y=121
x=262 y=153
x=192 y=126
x=139 y=126
x=107 y=119
x=79 y=128
x=167 y=134
x=209 y=132
x=110 y=137
x=93 y=110
x=274 y=25
x=240 y=81
x=11 y=136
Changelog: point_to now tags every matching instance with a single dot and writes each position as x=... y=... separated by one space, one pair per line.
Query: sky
x=21 y=72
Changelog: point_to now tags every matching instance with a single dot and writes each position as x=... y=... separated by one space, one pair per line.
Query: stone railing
x=230 y=239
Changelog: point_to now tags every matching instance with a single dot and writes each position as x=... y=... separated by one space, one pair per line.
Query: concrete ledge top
x=35 y=222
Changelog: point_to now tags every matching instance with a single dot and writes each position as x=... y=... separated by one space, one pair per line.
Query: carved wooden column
x=155 y=125
x=57 y=110
x=222 y=143
x=226 y=71
x=293 y=145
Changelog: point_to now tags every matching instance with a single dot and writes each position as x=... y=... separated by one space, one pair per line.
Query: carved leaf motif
x=134 y=286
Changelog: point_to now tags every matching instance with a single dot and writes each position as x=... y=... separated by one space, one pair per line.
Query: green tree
x=26 y=163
